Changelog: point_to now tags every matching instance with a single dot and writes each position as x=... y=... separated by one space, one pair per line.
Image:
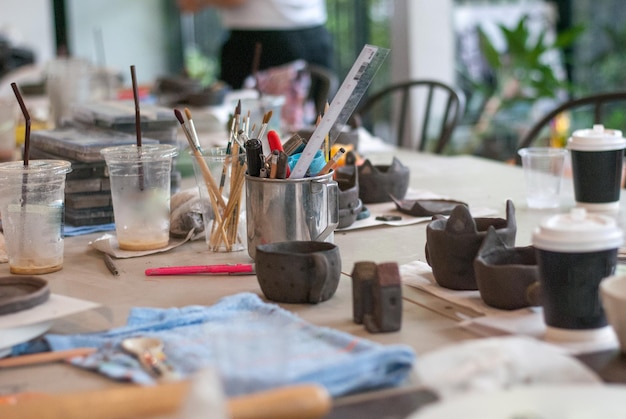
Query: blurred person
x=286 y=30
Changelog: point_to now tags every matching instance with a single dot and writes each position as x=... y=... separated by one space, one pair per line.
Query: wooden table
x=428 y=322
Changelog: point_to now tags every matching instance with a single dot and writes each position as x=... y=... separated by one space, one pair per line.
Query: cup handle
x=331 y=189
x=319 y=285
x=533 y=294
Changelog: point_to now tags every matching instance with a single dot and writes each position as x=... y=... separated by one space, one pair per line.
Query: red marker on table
x=239 y=269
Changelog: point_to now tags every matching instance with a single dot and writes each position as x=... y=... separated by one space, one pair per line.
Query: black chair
x=598 y=102
x=438 y=109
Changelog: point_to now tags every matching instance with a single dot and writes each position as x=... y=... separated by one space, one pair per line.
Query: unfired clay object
x=453 y=243
x=378 y=182
x=425 y=207
x=349 y=203
x=348 y=184
x=377 y=296
x=507 y=277
x=19 y=293
x=298 y=272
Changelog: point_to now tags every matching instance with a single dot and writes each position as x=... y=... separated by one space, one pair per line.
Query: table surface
x=428 y=322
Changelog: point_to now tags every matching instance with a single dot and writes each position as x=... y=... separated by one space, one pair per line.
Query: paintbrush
x=192 y=130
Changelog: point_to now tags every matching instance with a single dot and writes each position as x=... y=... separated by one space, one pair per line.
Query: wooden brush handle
x=302 y=401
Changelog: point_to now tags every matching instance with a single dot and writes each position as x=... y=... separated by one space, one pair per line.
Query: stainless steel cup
x=280 y=210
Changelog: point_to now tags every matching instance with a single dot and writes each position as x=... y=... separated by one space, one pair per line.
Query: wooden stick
x=40 y=358
x=304 y=401
x=206 y=172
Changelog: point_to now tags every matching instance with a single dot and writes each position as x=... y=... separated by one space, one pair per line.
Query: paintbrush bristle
x=188 y=113
x=179 y=116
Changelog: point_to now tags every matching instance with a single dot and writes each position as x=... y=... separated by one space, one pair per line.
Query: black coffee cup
x=597 y=157
x=575 y=251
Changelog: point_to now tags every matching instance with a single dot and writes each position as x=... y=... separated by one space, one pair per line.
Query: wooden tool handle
x=302 y=402
x=44 y=357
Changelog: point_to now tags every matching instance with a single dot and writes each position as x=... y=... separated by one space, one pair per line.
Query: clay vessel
x=348 y=184
x=507 y=277
x=453 y=243
x=19 y=293
x=349 y=203
x=377 y=182
x=298 y=272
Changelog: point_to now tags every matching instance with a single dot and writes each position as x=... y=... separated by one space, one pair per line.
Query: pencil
x=332 y=162
x=108 y=261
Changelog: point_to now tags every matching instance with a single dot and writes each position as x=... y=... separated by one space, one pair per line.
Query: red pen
x=239 y=269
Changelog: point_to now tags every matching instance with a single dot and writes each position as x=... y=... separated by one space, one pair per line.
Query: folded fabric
x=253 y=344
x=71 y=231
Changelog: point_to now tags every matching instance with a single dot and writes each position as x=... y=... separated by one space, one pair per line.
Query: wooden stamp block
x=377 y=296
x=363 y=275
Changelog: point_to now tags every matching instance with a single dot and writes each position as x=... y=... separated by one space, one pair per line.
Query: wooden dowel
x=40 y=358
x=305 y=401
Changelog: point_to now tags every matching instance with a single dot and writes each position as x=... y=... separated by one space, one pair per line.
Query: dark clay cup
x=298 y=271
x=507 y=277
x=453 y=243
x=378 y=182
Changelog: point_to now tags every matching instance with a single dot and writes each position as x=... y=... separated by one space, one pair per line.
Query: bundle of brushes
x=223 y=234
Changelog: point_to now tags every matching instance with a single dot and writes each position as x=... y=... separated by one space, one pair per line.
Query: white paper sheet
x=492 y=321
x=56 y=307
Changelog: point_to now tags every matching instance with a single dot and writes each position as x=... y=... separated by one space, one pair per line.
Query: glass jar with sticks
x=220 y=176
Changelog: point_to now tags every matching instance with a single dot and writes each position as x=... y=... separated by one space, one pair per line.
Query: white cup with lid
x=597 y=157
x=575 y=251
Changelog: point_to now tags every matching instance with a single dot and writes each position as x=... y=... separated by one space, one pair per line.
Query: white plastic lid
x=596 y=139
x=578 y=231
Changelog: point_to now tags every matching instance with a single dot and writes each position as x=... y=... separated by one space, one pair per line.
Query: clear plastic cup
x=31 y=206
x=68 y=82
x=140 y=191
x=543 y=171
x=224 y=217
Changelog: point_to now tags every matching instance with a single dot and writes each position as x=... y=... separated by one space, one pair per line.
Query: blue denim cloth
x=71 y=231
x=256 y=346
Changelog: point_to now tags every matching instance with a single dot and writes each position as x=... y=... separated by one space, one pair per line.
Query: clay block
x=363 y=275
x=377 y=296
x=386 y=300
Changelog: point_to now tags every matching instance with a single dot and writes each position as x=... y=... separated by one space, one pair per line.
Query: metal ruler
x=343 y=104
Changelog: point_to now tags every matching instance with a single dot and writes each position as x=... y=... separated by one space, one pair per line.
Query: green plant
x=200 y=67
x=522 y=72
